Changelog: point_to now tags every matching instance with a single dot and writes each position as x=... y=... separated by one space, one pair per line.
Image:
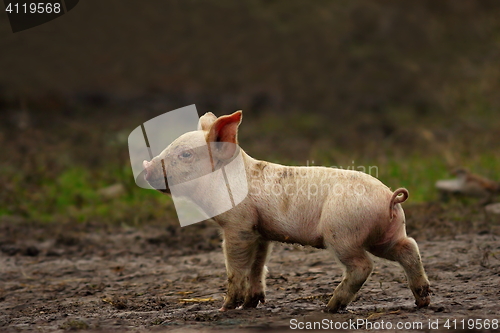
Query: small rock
x=475 y=307
x=111 y=192
x=493 y=209
x=449 y=185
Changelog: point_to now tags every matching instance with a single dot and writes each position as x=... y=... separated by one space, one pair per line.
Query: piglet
x=347 y=212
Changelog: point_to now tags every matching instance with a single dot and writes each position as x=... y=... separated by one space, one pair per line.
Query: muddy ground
x=153 y=278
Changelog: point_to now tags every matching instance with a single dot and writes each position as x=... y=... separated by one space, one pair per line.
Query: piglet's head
x=195 y=154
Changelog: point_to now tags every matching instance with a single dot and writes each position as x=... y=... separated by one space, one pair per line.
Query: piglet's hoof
x=424 y=299
x=228 y=306
x=253 y=301
x=423 y=302
x=335 y=310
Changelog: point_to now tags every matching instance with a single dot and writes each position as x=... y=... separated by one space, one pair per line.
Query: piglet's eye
x=185 y=154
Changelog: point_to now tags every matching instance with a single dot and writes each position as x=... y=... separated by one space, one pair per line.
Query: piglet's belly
x=292 y=232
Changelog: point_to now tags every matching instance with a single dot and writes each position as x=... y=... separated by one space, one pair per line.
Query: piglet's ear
x=223 y=135
x=206 y=121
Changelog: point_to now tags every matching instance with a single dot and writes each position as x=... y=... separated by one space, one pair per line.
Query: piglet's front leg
x=257 y=287
x=246 y=254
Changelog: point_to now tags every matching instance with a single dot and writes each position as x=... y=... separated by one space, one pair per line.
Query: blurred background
x=411 y=87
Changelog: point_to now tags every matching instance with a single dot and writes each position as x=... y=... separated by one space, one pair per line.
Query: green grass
x=417 y=174
x=73 y=196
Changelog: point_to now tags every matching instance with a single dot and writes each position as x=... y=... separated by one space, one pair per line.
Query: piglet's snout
x=147 y=173
x=154 y=174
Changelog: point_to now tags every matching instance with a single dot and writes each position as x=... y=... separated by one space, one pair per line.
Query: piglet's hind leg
x=406 y=253
x=358 y=267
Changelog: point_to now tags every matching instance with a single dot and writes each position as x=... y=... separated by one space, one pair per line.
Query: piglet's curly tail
x=399 y=196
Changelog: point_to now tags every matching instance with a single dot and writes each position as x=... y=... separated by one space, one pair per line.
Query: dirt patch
x=101 y=278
